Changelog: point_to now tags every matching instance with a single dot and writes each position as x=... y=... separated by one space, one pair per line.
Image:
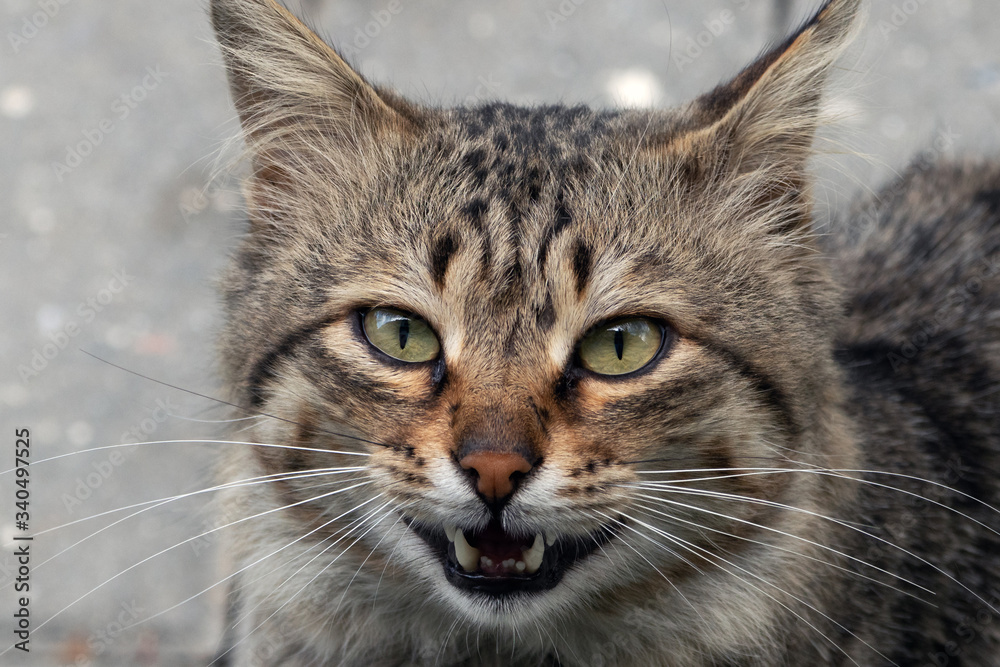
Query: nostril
x=495 y=473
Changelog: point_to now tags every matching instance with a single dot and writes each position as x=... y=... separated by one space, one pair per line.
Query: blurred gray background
x=115 y=221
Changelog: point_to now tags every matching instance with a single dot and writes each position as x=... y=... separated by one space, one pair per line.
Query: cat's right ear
x=302 y=107
x=754 y=133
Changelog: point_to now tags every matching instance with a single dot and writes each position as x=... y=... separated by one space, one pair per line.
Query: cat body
x=618 y=361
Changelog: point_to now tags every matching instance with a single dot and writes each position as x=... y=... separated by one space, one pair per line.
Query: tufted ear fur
x=303 y=109
x=755 y=132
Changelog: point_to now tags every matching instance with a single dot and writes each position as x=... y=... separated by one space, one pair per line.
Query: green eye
x=401 y=336
x=621 y=346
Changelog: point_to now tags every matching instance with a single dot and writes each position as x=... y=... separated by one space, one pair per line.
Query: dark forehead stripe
x=474 y=212
x=508 y=157
x=561 y=220
x=545 y=315
x=581 y=265
x=441 y=254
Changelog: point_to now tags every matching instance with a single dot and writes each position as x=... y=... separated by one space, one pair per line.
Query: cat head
x=516 y=322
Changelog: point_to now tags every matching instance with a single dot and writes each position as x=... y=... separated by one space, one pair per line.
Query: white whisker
x=316 y=576
x=370 y=554
x=250 y=481
x=337 y=537
x=247 y=567
x=694 y=524
x=187 y=541
x=218 y=421
x=840 y=474
x=386 y=567
x=656 y=569
x=188 y=442
x=796 y=537
x=706 y=554
x=839 y=522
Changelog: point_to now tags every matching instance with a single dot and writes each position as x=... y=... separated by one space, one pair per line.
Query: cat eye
x=621 y=346
x=400 y=335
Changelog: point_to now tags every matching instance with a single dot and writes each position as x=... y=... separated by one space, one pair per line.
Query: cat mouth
x=493 y=562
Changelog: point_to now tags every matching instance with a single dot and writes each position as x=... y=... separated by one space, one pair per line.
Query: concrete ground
x=112 y=230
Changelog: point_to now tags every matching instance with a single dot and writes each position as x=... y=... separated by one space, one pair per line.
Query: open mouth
x=494 y=562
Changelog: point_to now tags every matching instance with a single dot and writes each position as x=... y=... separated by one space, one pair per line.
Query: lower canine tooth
x=467 y=556
x=533 y=556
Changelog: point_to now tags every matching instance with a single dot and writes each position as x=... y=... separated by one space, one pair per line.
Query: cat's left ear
x=282 y=73
x=305 y=112
x=758 y=128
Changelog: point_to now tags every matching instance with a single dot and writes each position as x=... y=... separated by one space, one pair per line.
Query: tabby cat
x=556 y=386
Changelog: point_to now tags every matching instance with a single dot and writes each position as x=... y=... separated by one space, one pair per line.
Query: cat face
x=506 y=327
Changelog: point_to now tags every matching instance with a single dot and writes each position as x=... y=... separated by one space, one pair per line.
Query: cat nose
x=495 y=471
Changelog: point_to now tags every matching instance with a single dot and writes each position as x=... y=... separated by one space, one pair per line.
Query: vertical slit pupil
x=404 y=333
x=619 y=343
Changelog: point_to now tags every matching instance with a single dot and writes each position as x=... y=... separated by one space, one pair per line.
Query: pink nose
x=495 y=470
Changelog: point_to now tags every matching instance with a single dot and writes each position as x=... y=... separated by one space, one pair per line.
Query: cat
x=559 y=386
